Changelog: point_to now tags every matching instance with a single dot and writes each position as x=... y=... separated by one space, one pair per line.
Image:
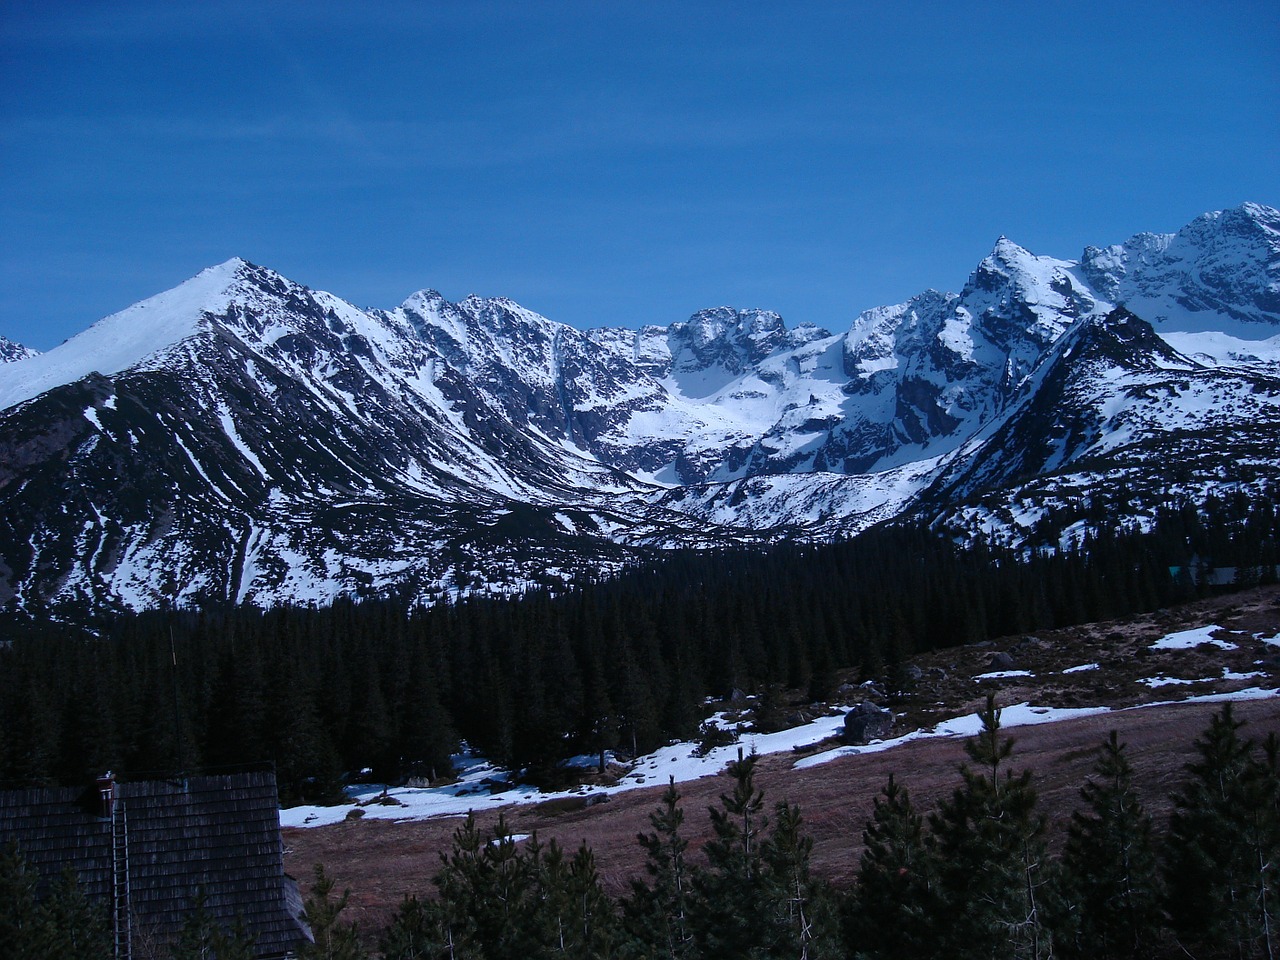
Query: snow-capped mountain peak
x=11 y=352
x=1220 y=273
x=243 y=437
x=725 y=337
x=122 y=340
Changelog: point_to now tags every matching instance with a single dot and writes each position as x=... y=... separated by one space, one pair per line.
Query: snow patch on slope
x=124 y=339
x=679 y=762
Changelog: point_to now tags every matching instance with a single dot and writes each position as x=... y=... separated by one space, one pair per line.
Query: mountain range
x=243 y=438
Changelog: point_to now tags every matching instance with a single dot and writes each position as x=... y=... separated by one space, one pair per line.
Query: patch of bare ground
x=381 y=861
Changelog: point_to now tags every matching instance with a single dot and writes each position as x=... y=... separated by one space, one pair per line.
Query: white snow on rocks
x=1003 y=674
x=1082 y=668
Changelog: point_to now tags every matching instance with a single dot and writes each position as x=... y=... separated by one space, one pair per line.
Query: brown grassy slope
x=380 y=861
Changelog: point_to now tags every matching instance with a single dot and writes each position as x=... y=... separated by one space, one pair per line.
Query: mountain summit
x=242 y=438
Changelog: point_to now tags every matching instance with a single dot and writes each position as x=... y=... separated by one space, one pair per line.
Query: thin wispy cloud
x=495 y=141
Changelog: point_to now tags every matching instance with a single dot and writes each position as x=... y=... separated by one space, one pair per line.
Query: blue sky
x=607 y=163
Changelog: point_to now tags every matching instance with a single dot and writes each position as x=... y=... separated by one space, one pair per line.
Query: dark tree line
x=625 y=664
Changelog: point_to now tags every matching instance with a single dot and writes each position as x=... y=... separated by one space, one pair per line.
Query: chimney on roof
x=107 y=791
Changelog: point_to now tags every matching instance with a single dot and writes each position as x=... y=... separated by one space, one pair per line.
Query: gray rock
x=1002 y=661
x=867 y=722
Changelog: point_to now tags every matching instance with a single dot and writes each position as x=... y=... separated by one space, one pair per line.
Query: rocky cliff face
x=244 y=438
x=10 y=351
x=1219 y=273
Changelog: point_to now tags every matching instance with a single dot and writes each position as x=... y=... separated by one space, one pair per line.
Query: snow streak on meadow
x=481 y=785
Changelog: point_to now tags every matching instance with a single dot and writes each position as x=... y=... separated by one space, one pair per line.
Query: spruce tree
x=895 y=901
x=639 y=725
x=487 y=894
x=307 y=765
x=370 y=729
x=991 y=850
x=803 y=911
x=732 y=918
x=32 y=729
x=202 y=938
x=416 y=932
x=579 y=914
x=461 y=880
x=426 y=736
x=73 y=926
x=237 y=714
x=1262 y=834
x=1224 y=846
x=334 y=939
x=1108 y=902
x=657 y=914
x=20 y=921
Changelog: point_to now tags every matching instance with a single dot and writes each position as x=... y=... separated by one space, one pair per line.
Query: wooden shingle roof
x=216 y=836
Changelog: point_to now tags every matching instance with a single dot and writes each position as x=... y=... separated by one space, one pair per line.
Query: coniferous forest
x=390 y=688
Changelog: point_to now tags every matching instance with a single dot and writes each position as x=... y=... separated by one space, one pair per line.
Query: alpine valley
x=244 y=439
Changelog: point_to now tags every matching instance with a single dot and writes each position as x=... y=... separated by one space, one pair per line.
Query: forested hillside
x=528 y=680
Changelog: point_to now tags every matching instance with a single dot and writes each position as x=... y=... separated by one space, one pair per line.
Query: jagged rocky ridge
x=10 y=351
x=244 y=438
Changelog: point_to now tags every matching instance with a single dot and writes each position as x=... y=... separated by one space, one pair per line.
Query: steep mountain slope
x=1115 y=416
x=244 y=438
x=1221 y=272
x=282 y=445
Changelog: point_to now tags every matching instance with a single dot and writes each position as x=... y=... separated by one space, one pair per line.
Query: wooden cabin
x=150 y=849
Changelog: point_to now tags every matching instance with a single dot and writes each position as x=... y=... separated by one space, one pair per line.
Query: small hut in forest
x=152 y=850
